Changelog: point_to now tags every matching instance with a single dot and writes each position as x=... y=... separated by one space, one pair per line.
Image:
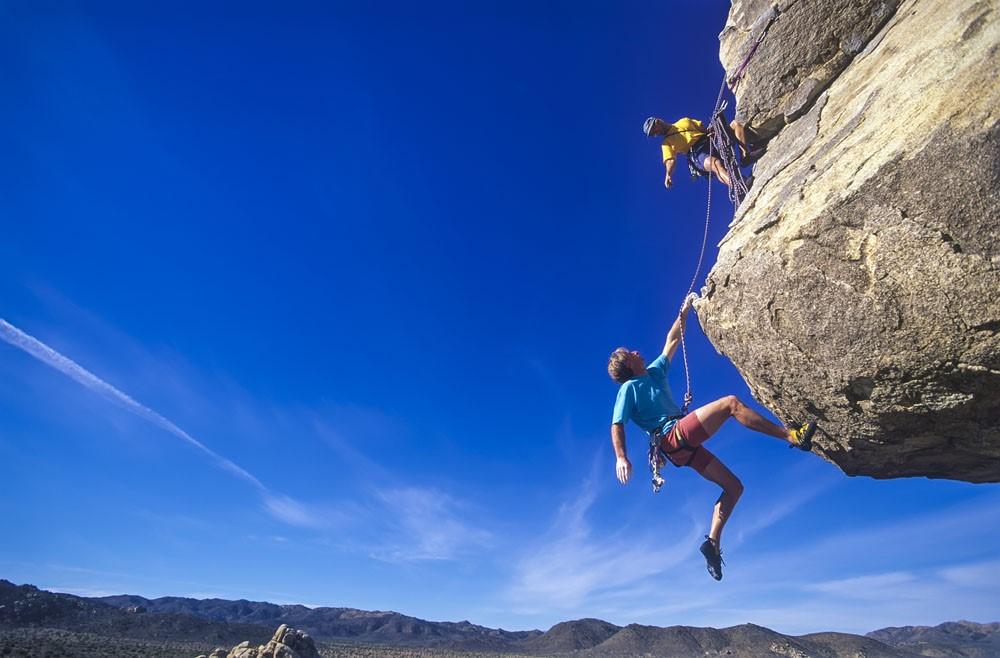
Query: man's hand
x=668 y=182
x=689 y=302
x=623 y=468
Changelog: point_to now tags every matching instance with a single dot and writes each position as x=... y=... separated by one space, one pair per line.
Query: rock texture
x=818 y=39
x=860 y=280
x=286 y=643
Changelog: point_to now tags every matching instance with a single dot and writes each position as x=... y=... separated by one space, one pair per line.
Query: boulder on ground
x=286 y=643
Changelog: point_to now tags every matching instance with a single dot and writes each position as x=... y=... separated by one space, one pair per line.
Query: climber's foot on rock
x=752 y=156
x=801 y=437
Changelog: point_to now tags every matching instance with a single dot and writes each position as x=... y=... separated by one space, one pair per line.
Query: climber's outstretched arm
x=623 y=467
x=674 y=335
x=669 y=164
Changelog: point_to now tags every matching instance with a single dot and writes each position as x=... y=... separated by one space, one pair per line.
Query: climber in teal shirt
x=647 y=400
x=644 y=397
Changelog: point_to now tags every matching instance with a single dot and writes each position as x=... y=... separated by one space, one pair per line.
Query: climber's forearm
x=618 y=440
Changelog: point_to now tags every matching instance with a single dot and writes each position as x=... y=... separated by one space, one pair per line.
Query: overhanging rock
x=860 y=280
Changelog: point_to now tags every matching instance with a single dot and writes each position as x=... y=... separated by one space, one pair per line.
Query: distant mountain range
x=224 y=622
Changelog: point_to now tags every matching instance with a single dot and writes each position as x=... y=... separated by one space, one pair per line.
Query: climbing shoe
x=713 y=558
x=802 y=438
x=751 y=156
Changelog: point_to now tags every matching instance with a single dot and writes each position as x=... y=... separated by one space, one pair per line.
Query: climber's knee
x=735 y=489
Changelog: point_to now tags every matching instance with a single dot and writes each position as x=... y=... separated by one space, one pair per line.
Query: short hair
x=618 y=366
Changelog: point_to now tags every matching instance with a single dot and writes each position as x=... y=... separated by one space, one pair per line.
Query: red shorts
x=690 y=429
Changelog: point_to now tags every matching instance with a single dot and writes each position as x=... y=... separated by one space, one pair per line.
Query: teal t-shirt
x=646 y=400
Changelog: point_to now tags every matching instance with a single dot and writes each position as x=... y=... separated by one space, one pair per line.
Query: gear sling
x=657 y=455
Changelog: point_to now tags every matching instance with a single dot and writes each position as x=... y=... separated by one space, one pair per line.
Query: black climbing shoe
x=751 y=156
x=802 y=438
x=713 y=558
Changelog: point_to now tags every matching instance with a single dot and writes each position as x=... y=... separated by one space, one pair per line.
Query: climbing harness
x=658 y=456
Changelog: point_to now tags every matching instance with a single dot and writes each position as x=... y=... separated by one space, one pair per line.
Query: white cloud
x=984 y=575
x=280 y=506
x=917 y=570
x=909 y=572
x=863 y=587
x=428 y=526
x=572 y=569
x=952 y=534
x=290 y=511
x=804 y=482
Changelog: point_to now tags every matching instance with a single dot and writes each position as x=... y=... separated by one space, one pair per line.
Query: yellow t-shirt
x=681 y=136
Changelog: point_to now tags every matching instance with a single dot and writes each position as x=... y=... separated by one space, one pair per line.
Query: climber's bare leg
x=732 y=489
x=741 y=135
x=714 y=414
x=714 y=165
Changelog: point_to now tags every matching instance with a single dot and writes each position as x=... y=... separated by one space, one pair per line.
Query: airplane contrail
x=280 y=505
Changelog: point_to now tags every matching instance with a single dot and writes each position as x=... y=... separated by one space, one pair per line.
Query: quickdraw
x=657 y=457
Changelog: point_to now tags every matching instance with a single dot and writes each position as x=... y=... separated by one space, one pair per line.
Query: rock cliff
x=859 y=282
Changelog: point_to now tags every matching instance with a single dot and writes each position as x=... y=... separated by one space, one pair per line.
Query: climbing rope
x=767 y=18
x=721 y=144
x=688 y=395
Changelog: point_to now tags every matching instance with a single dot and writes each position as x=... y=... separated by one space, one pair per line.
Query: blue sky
x=335 y=286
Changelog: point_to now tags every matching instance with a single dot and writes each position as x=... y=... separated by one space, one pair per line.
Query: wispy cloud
x=428 y=526
x=980 y=575
x=853 y=582
x=863 y=586
x=278 y=505
x=805 y=479
x=926 y=539
x=570 y=568
x=425 y=523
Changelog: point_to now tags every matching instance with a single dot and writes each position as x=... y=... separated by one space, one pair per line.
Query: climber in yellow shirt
x=689 y=136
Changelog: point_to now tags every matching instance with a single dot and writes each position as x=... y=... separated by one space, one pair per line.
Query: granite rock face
x=860 y=280
x=811 y=44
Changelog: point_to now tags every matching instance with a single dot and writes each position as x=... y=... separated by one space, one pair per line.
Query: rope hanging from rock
x=766 y=18
x=721 y=143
